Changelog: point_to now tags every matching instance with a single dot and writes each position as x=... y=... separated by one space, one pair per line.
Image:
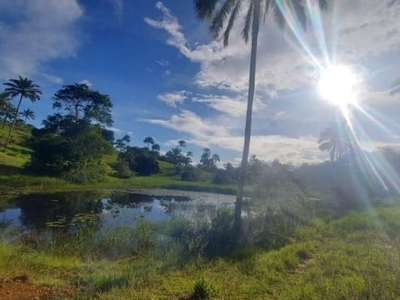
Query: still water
x=107 y=210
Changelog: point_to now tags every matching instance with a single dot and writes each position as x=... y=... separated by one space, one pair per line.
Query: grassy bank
x=14 y=179
x=354 y=257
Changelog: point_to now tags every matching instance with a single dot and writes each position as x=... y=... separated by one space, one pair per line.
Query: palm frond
x=279 y=16
x=267 y=5
x=248 y=22
x=300 y=12
x=232 y=18
x=323 y=4
x=395 y=91
x=219 y=19
x=204 y=9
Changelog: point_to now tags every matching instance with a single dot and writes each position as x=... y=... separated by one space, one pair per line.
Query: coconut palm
x=28 y=114
x=333 y=140
x=222 y=14
x=149 y=141
x=24 y=88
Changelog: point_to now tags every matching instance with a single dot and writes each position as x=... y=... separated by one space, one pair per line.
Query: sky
x=168 y=79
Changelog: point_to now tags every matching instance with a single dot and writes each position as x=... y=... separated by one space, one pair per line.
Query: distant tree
x=24 y=88
x=4 y=101
x=140 y=160
x=149 y=141
x=155 y=148
x=7 y=111
x=208 y=160
x=123 y=143
x=28 y=114
x=72 y=142
x=182 y=143
x=81 y=102
x=178 y=158
x=334 y=139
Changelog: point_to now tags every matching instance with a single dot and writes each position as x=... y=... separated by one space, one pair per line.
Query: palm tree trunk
x=13 y=124
x=237 y=226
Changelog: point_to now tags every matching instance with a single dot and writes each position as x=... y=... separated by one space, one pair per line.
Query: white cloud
x=87 y=82
x=118 y=6
x=171 y=99
x=235 y=107
x=45 y=31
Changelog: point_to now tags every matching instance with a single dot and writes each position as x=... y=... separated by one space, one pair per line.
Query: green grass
x=354 y=257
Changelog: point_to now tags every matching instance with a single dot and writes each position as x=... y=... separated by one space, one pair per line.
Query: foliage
x=24 y=88
x=178 y=158
x=122 y=169
x=81 y=102
x=140 y=160
x=208 y=160
x=191 y=173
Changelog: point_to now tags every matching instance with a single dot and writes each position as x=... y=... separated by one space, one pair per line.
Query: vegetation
x=22 y=88
x=226 y=11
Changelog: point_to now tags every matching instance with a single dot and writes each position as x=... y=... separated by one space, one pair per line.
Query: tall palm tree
x=28 y=114
x=221 y=11
x=149 y=141
x=24 y=88
x=335 y=141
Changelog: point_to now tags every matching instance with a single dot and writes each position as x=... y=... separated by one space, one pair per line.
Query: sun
x=338 y=84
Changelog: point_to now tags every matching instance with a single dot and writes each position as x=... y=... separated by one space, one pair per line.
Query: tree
x=149 y=141
x=81 y=102
x=221 y=11
x=140 y=160
x=333 y=139
x=28 y=114
x=208 y=161
x=6 y=107
x=24 y=88
x=155 y=148
x=122 y=144
x=4 y=100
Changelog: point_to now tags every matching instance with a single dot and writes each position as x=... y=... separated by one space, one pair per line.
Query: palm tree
x=28 y=114
x=4 y=101
x=220 y=11
x=149 y=141
x=333 y=140
x=8 y=110
x=24 y=88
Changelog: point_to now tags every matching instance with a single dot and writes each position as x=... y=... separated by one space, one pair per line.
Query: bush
x=122 y=169
x=191 y=173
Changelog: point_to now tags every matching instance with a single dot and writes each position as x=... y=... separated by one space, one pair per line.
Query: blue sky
x=168 y=79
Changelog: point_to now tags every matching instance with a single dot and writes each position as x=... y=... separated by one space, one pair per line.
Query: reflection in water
x=70 y=211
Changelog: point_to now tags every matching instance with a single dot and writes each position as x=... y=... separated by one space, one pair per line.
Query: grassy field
x=354 y=257
x=14 y=179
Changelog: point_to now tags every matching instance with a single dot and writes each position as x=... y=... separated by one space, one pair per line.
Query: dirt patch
x=21 y=288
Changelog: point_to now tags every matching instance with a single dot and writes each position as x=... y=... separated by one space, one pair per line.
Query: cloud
x=287 y=113
x=118 y=6
x=235 y=107
x=87 y=82
x=162 y=62
x=172 y=99
x=44 y=31
x=216 y=133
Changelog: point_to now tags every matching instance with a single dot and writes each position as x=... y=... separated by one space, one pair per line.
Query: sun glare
x=337 y=84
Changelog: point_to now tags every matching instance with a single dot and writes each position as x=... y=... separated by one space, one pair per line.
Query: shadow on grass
x=11 y=170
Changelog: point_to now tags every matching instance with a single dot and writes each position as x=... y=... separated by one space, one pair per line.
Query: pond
x=108 y=211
